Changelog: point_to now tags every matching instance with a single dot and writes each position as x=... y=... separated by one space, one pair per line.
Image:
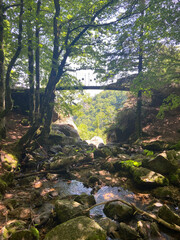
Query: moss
x=8 y=177
x=174 y=178
x=148 y=153
x=35 y=233
x=11 y=159
x=126 y=165
x=3 y=186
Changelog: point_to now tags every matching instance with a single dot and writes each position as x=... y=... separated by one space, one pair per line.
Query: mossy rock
x=3 y=186
x=147 y=178
x=174 y=178
x=168 y=215
x=10 y=159
x=118 y=211
x=166 y=192
x=68 y=209
x=126 y=165
x=12 y=228
x=77 y=228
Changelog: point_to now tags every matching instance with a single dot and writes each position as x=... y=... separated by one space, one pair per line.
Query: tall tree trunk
x=31 y=74
x=37 y=53
x=9 y=103
x=2 y=81
x=140 y=68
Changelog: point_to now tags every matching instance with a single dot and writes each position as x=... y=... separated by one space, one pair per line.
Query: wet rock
x=111 y=227
x=118 y=211
x=163 y=163
x=77 y=228
x=127 y=232
x=168 y=215
x=85 y=199
x=68 y=209
x=148 y=230
x=145 y=177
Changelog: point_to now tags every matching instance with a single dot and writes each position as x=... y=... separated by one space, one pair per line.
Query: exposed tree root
x=172 y=226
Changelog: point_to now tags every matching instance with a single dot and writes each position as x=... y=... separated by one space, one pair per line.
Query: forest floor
x=27 y=193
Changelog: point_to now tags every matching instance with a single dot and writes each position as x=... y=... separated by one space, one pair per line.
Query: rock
x=111 y=227
x=60 y=163
x=163 y=163
x=68 y=209
x=145 y=177
x=127 y=232
x=168 y=215
x=174 y=177
x=78 y=228
x=16 y=230
x=162 y=192
x=43 y=214
x=93 y=181
x=99 y=153
x=154 y=146
x=25 y=234
x=118 y=211
x=85 y=199
x=66 y=129
x=55 y=149
x=148 y=230
x=96 y=141
x=52 y=176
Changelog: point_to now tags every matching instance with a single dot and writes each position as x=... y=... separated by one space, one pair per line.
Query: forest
x=73 y=166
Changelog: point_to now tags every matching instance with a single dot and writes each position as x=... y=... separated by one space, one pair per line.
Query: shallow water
x=106 y=193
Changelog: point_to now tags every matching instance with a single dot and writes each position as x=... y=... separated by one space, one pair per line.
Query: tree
x=5 y=77
x=133 y=43
x=70 y=29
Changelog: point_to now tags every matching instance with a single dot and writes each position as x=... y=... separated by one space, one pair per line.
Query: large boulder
x=147 y=178
x=66 y=129
x=118 y=211
x=78 y=228
x=68 y=209
x=163 y=163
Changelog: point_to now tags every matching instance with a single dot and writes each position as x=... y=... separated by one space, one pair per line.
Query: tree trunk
x=140 y=68
x=9 y=103
x=31 y=74
x=37 y=57
x=2 y=81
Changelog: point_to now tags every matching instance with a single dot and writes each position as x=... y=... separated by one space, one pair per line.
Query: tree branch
x=173 y=226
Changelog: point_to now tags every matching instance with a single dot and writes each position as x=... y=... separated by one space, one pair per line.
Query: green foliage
x=170 y=103
x=95 y=114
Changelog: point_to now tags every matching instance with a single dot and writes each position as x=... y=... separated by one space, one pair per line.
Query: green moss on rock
x=78 y=228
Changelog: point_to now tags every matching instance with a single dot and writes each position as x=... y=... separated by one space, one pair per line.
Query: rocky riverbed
x=55 y=193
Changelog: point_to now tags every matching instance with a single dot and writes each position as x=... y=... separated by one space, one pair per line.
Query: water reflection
x=108 y=193
x=65 y=188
